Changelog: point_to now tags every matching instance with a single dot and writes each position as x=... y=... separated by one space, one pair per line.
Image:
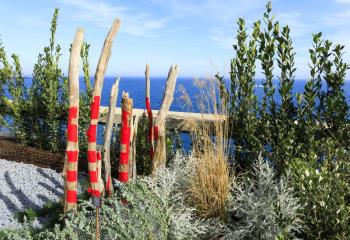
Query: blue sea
x=136 y=88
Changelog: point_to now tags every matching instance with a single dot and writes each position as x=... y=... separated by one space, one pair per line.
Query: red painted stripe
x=72 y=129
x=149 y=110
x=72 y=156
x=123 y=158
x=123 y=177
x=72 y=132
x=95 y=193
x=95 y=106
x=91 y=156
x=71 y=196
x=156 y=131
x=108 y=185
x=71 y=176
x=93 y=176
x=91 y=133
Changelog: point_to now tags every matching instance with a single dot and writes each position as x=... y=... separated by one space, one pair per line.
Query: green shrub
x=323 y=186
x=46 y=94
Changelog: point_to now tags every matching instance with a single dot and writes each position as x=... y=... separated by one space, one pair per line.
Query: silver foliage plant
x=263 y=208
x=169 y=185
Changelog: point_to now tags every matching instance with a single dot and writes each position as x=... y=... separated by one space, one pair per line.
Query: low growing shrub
x=323 y=185
x=262 y=207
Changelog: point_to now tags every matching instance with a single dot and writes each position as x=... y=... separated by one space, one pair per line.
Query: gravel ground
x=25 y=186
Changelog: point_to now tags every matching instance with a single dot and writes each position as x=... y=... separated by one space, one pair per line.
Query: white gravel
x=25 y=186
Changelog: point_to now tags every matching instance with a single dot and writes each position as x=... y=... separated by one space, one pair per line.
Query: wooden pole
x=72 y=149
x=149 y=112
x=106 y=149
x=132 y=156
x=159 y=123
x=125 y=132
x=96 y=183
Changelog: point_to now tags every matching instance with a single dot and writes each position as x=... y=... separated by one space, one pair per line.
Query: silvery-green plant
x=170 y=185
x=262 y=207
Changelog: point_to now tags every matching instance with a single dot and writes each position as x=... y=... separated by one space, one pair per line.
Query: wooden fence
x=181 y=121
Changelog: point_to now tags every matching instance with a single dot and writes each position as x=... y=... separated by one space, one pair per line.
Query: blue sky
x=195 y=34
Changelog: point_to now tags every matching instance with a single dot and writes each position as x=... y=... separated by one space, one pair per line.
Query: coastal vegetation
x=275 y=169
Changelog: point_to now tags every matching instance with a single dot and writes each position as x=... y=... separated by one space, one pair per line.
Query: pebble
x=24 y=186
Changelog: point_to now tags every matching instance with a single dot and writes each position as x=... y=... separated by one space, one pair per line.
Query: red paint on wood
x=95 y=107
x=93 y=176
x=123 y=177
x=71 y=176
x=71 y=196
x=72 y=129
x=91 y=133
x=91 y=156
x=108 y=185
x=99 y=157
x=95 y=193
x=72 y=156
x=150 y=126
x=124 y=140
x=156 y=132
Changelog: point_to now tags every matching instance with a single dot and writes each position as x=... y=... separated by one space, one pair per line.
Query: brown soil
x=13 y=151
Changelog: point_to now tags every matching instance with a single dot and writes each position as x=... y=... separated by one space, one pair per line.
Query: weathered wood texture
x=97 y=184
x=182 y=121
x=149 y=112
x=159 y=157
x=132 y=156
x=107 y=137
x=72 y=150
x=125 y=133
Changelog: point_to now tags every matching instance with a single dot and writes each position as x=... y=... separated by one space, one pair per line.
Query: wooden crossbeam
x=182 y=121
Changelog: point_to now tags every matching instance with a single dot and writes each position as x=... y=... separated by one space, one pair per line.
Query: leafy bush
x=46 y=94
x=262 y=207
x=281 y=129
x=323 y=186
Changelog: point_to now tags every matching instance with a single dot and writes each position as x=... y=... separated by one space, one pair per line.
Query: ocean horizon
x=136 y=86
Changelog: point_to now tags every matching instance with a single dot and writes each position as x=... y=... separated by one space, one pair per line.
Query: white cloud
x=102 y=14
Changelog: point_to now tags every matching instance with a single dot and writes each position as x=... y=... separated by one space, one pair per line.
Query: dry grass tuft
x=210 y=182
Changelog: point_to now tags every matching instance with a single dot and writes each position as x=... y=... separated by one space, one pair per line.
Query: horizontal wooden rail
x=181 y=121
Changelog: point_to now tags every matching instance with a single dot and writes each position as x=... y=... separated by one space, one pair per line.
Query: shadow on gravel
x=43 y=198
x=9 y=204
x=51 y=189
x=25 y=201
x=52 y=179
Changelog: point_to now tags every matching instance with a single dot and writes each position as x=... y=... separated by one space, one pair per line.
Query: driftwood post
x=125 y=132
x=72 y=149
x=106 y=149
x=96 y=183
x=159 y=123
x=132 y=156
x=149 y=113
